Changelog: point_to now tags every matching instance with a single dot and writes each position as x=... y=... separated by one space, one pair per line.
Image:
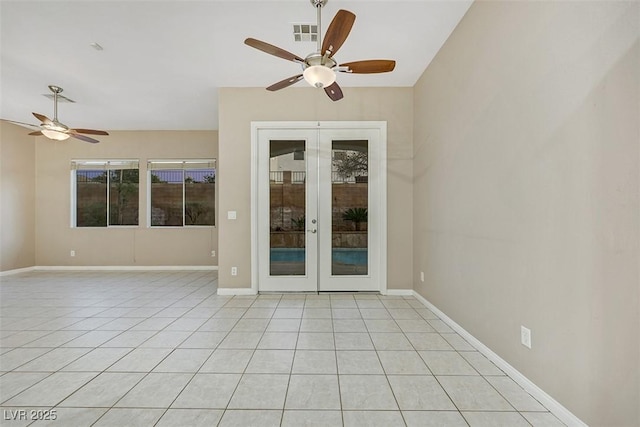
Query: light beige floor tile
x=55 y=339
x=515 y=395
x=140 y=360
x=288 y=313
x=458 y=343
x=241 y=340
x=14 y=383
x=316 y=313
x=304 y=418
x=19 y=356
x=260 y=391
x=375 y=313
x=153 y=324
x=316 y=325
x=54 y=360
x=434 y=419
x=284 y=325
x=208 y=340
x=72 y=417
x=278 y=340
x=382 y=325
x=155 y=391
x=345 y=313
x=313 y=392
x=358 y=363
x=419 y=393
x=473 y=393
x=189 y=324
x=366 y=392
x=251 y=325
x=227 y=361
x=447 y=363
x=190 y=417
x=440 y=326
x=103 y=391
x=353 y=341
x=542 y=419
x=414 y=325
x=250 y=418
x=211 y=391
x=129 y=417
x=404 y=314
x=481 y=364
x=271 y=362
x=390 y=341
x=184 y=360
x=495 y=419
x=52 y=389
x=315 y=341
x=92 y=339
x=373 y=419
x=218 y=325
x=314 y=362
x=129 y=339
x=349 y=325
x=428 y=341
x=166 y=339
x=403 y=363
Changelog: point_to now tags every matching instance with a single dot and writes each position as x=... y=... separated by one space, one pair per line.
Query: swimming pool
x=349 y=256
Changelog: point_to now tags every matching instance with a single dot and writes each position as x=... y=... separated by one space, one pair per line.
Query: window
x=105 y=192
x=182 y=193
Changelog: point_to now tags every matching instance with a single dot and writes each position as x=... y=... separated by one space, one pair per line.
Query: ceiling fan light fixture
x=319 y=76
x=55 y=135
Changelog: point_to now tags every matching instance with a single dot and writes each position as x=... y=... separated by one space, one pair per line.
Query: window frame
x=103 y=165
x=211 y=164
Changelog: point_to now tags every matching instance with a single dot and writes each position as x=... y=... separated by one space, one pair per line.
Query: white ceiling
x=163 y=61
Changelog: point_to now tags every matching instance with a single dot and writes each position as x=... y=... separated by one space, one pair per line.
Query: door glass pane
x=349 y=210
x=287 y=182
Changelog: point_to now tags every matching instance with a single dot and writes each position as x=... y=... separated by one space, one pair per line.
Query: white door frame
x=381 y=127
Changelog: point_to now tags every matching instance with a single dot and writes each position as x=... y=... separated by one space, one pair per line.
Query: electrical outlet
x=234 y=271
x=72 y=253
x=525 y=336
x=422 y=276
x=213 y=253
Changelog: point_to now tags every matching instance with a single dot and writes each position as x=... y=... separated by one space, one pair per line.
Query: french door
x=320 y=207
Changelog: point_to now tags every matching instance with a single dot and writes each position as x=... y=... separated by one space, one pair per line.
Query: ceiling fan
x=319 y=68
x=55 y=130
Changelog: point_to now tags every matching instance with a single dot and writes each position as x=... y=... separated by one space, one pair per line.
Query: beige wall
x=136 y=246
x=239 y=107
x=17 y=198
x=526 y=194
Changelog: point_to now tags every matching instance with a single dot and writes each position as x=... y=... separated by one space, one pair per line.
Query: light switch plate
x=231 y=215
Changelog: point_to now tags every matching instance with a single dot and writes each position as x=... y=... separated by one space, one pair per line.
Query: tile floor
x=162 y=349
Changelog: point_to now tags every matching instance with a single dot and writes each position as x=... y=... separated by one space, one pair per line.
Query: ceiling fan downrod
x=319 y=4
x=56 y=90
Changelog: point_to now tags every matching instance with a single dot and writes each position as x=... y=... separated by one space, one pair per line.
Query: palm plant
x=357 y=215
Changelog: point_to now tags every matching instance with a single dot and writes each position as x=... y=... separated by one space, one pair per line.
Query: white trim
x=16 y=271
x=399 y=292
x=126 y=268
x=547 y=401
x=237 y=291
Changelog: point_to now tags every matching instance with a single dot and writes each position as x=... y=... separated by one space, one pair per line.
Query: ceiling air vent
x=61 y=98
x=305 y=32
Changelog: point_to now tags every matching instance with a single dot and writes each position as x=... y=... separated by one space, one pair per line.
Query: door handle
x=313 y=230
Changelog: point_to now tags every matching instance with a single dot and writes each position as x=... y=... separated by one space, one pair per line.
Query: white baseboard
x=237 y=291
x=16 y=271
x=126 y=268
x=400 y=292
x=110 y=268
x=547 y=401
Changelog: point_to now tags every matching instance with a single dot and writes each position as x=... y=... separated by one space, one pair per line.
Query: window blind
x=104 y=164
x=181 y=164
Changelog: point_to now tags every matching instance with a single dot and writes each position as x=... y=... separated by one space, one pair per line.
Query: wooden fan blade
x=44 y=119
x=334 y=92
x=285 y=83
x=36 y=133
x=90 y=131
x=272 y=50
x=371 y=66
x=83 y=138
x=338 y=31
x=27 y=125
